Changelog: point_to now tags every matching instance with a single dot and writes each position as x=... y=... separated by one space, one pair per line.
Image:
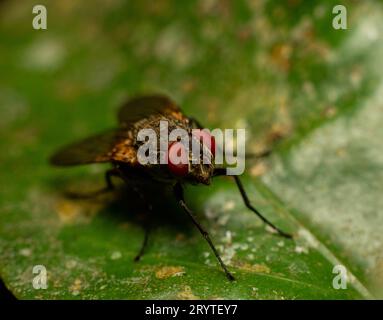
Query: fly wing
x=95 y=149
x=142 y=107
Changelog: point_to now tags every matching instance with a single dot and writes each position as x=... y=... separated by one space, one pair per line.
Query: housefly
x=120 y=148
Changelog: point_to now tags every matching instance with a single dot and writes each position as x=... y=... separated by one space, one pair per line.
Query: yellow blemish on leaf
x=187 y=294
x=169 y=271
x=67 y=211
x=71 y=212
x=258 y=169
x=258 y=268
x=76 y=287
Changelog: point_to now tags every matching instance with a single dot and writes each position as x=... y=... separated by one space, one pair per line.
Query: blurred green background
x=276 y=68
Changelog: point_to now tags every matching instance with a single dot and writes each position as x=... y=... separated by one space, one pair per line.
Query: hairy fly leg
x=143 y=246
x=129 y=179
x=246 y=200
x=178 y=192
x=146 y=226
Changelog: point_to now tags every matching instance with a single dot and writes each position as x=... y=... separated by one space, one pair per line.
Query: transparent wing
x=142 y=107
x=97 y=148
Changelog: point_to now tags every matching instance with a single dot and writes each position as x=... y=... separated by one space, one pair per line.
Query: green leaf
x=278 y=69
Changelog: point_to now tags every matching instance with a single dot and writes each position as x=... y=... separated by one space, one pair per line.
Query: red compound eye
x=206 y=139
x=178 y=160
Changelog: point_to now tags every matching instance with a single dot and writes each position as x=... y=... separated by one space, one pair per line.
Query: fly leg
x=143 y=246
x=124 y=175
x=146 y=224
x=109 y=187
x=178 y=192
x=246 y=200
